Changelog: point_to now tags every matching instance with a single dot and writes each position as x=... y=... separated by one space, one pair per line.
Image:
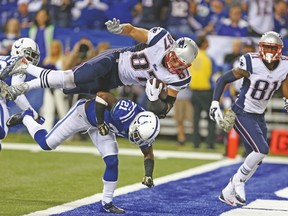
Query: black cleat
x=110 y=208
x=17 y=118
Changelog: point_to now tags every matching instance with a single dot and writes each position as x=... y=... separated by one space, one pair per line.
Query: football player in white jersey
x=124 y=118
x=21 y=47
x=158 y=55
x=263 y=73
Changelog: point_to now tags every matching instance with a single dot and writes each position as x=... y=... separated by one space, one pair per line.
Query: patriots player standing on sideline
x=263 y=73
x=158 y=55
x=21 y=47
x=124 y=118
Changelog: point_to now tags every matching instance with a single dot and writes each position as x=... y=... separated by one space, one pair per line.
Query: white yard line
x=122 y=151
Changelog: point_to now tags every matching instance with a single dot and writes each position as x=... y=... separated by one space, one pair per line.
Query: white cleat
x=239 y=188
x=228 y=195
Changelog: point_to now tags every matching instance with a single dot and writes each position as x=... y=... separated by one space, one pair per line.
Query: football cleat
x=228 y=195
x=17 y=118
x=12 y=92
x=20 y=66
x=110 y=208
x=239 y=188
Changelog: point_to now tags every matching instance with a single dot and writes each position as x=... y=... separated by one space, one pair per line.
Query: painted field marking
x=259 y=207
x=135 y=187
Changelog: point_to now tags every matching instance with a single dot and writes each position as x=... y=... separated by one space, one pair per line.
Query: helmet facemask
x=144 y=129
x=181 y=55
x=174 y=64
x=31 y=56
x=270 y=47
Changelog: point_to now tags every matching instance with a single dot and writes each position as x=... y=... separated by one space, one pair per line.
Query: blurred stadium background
x=32 y=180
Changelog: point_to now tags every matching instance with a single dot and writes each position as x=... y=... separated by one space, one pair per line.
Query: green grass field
x=32 y=181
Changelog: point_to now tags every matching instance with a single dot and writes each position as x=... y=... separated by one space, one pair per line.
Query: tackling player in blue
x=123 y=117
x=263 y=73
x=21 y=47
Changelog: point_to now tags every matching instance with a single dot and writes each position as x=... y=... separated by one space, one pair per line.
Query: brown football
x=163 y=93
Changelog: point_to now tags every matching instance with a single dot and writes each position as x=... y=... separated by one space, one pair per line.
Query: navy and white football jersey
x=257 y=90
x=136 y=66
x=119 y=118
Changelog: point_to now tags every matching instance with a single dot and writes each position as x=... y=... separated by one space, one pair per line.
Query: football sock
x=108 y=191
x=250 y=165
x=47 y=78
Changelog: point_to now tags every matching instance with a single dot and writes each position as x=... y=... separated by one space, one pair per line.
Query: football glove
x=285 y=106
x=114 y=26
x=148 y=181
x=215 y=112
x=228 y=122
x=152 y=91
x=103 y=129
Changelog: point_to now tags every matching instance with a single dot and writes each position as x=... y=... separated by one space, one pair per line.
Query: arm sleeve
x=228 y=77
x=161 y=107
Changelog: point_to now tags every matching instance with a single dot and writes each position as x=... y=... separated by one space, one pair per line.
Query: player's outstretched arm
x=149 y=166
x=139 y=34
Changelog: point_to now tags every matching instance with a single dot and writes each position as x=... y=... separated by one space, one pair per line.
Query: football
x=163 y=93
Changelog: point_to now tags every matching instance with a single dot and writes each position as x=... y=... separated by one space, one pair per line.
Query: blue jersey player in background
x=29 y=49
x=122 y=117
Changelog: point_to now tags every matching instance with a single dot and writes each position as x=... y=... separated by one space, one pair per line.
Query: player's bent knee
x=40 y=138
x=264 y=151
x=111 y=161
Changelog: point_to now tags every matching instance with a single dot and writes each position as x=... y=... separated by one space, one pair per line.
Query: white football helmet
x=144 y=129
x=27 y=48
x=270 y=46
x=181 y=55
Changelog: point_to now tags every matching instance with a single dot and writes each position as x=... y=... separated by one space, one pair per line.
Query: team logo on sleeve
x=241 y=63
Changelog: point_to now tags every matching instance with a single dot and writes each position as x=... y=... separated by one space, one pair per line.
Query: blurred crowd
x=41 y=19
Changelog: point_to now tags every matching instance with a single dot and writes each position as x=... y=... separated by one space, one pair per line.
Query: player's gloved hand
x=228 y=122
x=103 y=129
x=114 y=26
x=152 y=91
x=40 y=119
x=148 y=181
x=215 y=112
x=285 y=106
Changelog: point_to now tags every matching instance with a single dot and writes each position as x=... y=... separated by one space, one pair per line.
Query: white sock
x=31 y=125
x=108 y=191
x=250 y=165
x=34 y=70
x=47 y=78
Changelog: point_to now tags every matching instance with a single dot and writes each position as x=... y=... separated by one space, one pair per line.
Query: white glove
x=152 y=91
x=114 y=26
x=215 y=112
x=285 y=106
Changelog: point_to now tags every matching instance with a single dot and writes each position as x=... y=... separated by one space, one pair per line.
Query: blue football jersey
x=119 y=118
x=6 y=61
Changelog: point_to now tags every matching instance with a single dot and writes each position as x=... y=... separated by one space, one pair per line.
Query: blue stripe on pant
x=253 y=130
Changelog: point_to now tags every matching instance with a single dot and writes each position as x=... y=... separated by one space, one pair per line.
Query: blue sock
x=111 y=171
